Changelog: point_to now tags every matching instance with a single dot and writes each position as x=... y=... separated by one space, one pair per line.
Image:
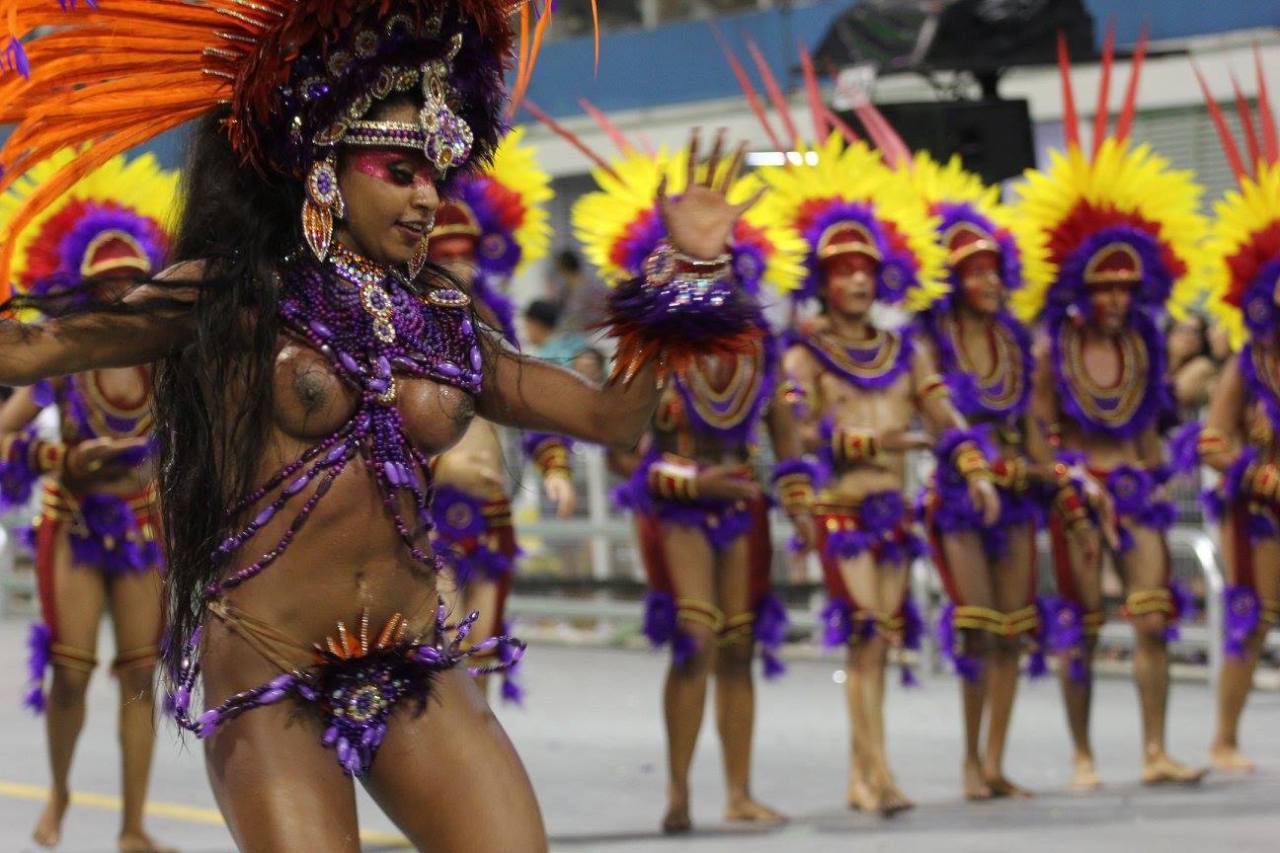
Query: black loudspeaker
x=992 y=137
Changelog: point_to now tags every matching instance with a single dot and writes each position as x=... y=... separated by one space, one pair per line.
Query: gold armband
x=795 y=493
x=855 y=446
x=673 y=478
x=552 y=459
x=971 y=462
x=1210 y=441
x=934 y=387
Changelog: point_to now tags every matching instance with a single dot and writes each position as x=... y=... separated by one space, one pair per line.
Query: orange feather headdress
x=293 y=73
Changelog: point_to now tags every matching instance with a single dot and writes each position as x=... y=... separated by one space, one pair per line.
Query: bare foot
x=892 y=800
x=1085 y=778
x=975 y=784
x=1230 y=758
x=1002 y=787
x=48 y=831
x=677 y=820
x=861 y=797
x=140 y=842
x=1163 y=770
x=750 y=811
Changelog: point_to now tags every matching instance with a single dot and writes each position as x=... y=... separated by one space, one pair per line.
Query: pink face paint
x=393 y=166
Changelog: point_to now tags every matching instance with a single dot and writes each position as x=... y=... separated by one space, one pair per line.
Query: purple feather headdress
x=897 y=272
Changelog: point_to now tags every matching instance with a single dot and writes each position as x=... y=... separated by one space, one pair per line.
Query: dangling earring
x=421 y=252
x=323 y=203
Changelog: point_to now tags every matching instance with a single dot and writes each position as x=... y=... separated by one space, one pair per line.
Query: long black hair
x=213 y=397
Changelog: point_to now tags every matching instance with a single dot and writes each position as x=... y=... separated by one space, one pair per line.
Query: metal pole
x=1207 y=556
x=598 y=512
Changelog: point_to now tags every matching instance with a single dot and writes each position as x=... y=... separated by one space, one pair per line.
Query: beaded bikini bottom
x=359 y=678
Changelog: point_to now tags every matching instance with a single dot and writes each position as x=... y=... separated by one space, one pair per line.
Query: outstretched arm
x=527 y=393
x=30 y=352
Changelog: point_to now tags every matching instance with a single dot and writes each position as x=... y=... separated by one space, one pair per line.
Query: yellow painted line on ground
x=177 y=811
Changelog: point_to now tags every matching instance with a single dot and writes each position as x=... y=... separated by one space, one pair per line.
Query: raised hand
x=700 y=219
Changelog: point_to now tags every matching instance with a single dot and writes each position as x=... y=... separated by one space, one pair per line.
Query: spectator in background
x=579 y=298
x=1193 y=365
x=546 y=338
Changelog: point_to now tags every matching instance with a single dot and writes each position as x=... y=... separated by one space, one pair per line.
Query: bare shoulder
x=798 y=360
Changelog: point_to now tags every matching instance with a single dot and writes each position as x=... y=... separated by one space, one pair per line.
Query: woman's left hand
x=700 y=220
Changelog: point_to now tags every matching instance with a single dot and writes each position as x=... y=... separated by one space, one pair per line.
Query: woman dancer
x=1241 y=435
x=1123 y=230
x=309 y=364
x=984 y=355
x=701 y=516
x=97 y=542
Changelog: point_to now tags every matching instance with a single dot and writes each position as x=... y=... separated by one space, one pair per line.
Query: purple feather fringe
x=1243 y=616
x=770 y=632
x=39 y=655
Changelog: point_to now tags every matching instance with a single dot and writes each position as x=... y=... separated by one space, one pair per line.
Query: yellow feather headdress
x=838 y=186
x=1243 y=250
x=970 y=218
x=1117 y=215
x=123 y=209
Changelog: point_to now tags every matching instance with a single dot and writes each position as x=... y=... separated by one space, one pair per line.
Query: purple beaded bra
x=371 y=324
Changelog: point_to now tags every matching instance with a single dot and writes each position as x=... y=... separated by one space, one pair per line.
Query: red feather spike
x=775 y=91
x=1070 y=123
x=748 y=89
x=568 y=136
x=816 y=106
x=1246 y=122
x=892 y=148
x=850 y=135
x=1102 y=113
x=1228 y=142
x=1130 y=104
x=609 y=128
x=1270 y=144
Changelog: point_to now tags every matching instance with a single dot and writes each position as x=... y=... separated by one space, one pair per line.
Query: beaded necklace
x=871 y=364
x=1125 y=408
x=1005 y=389
x=93 y=414
x=730 y=412
x=369 y=321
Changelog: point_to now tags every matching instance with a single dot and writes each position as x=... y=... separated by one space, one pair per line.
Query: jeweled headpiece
x=114 y=219
x=1243 y=274
x=1116 y=216
x=503 y=209
x=971 y=220
x=299 y=78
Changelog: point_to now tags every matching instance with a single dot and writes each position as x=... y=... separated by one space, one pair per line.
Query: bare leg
x=1236 y=679
x=861 y=662
x=277 y=786
x=692 y=563
x=136 y=613
x=1078 y=695
x=882 y=588
x=79 y=600
x=735 y=691
x=972 y=578
x=1015 y=574
x=1145 y=569
x=451 y=780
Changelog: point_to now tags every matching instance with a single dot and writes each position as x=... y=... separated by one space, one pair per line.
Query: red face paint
x=393 y=166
